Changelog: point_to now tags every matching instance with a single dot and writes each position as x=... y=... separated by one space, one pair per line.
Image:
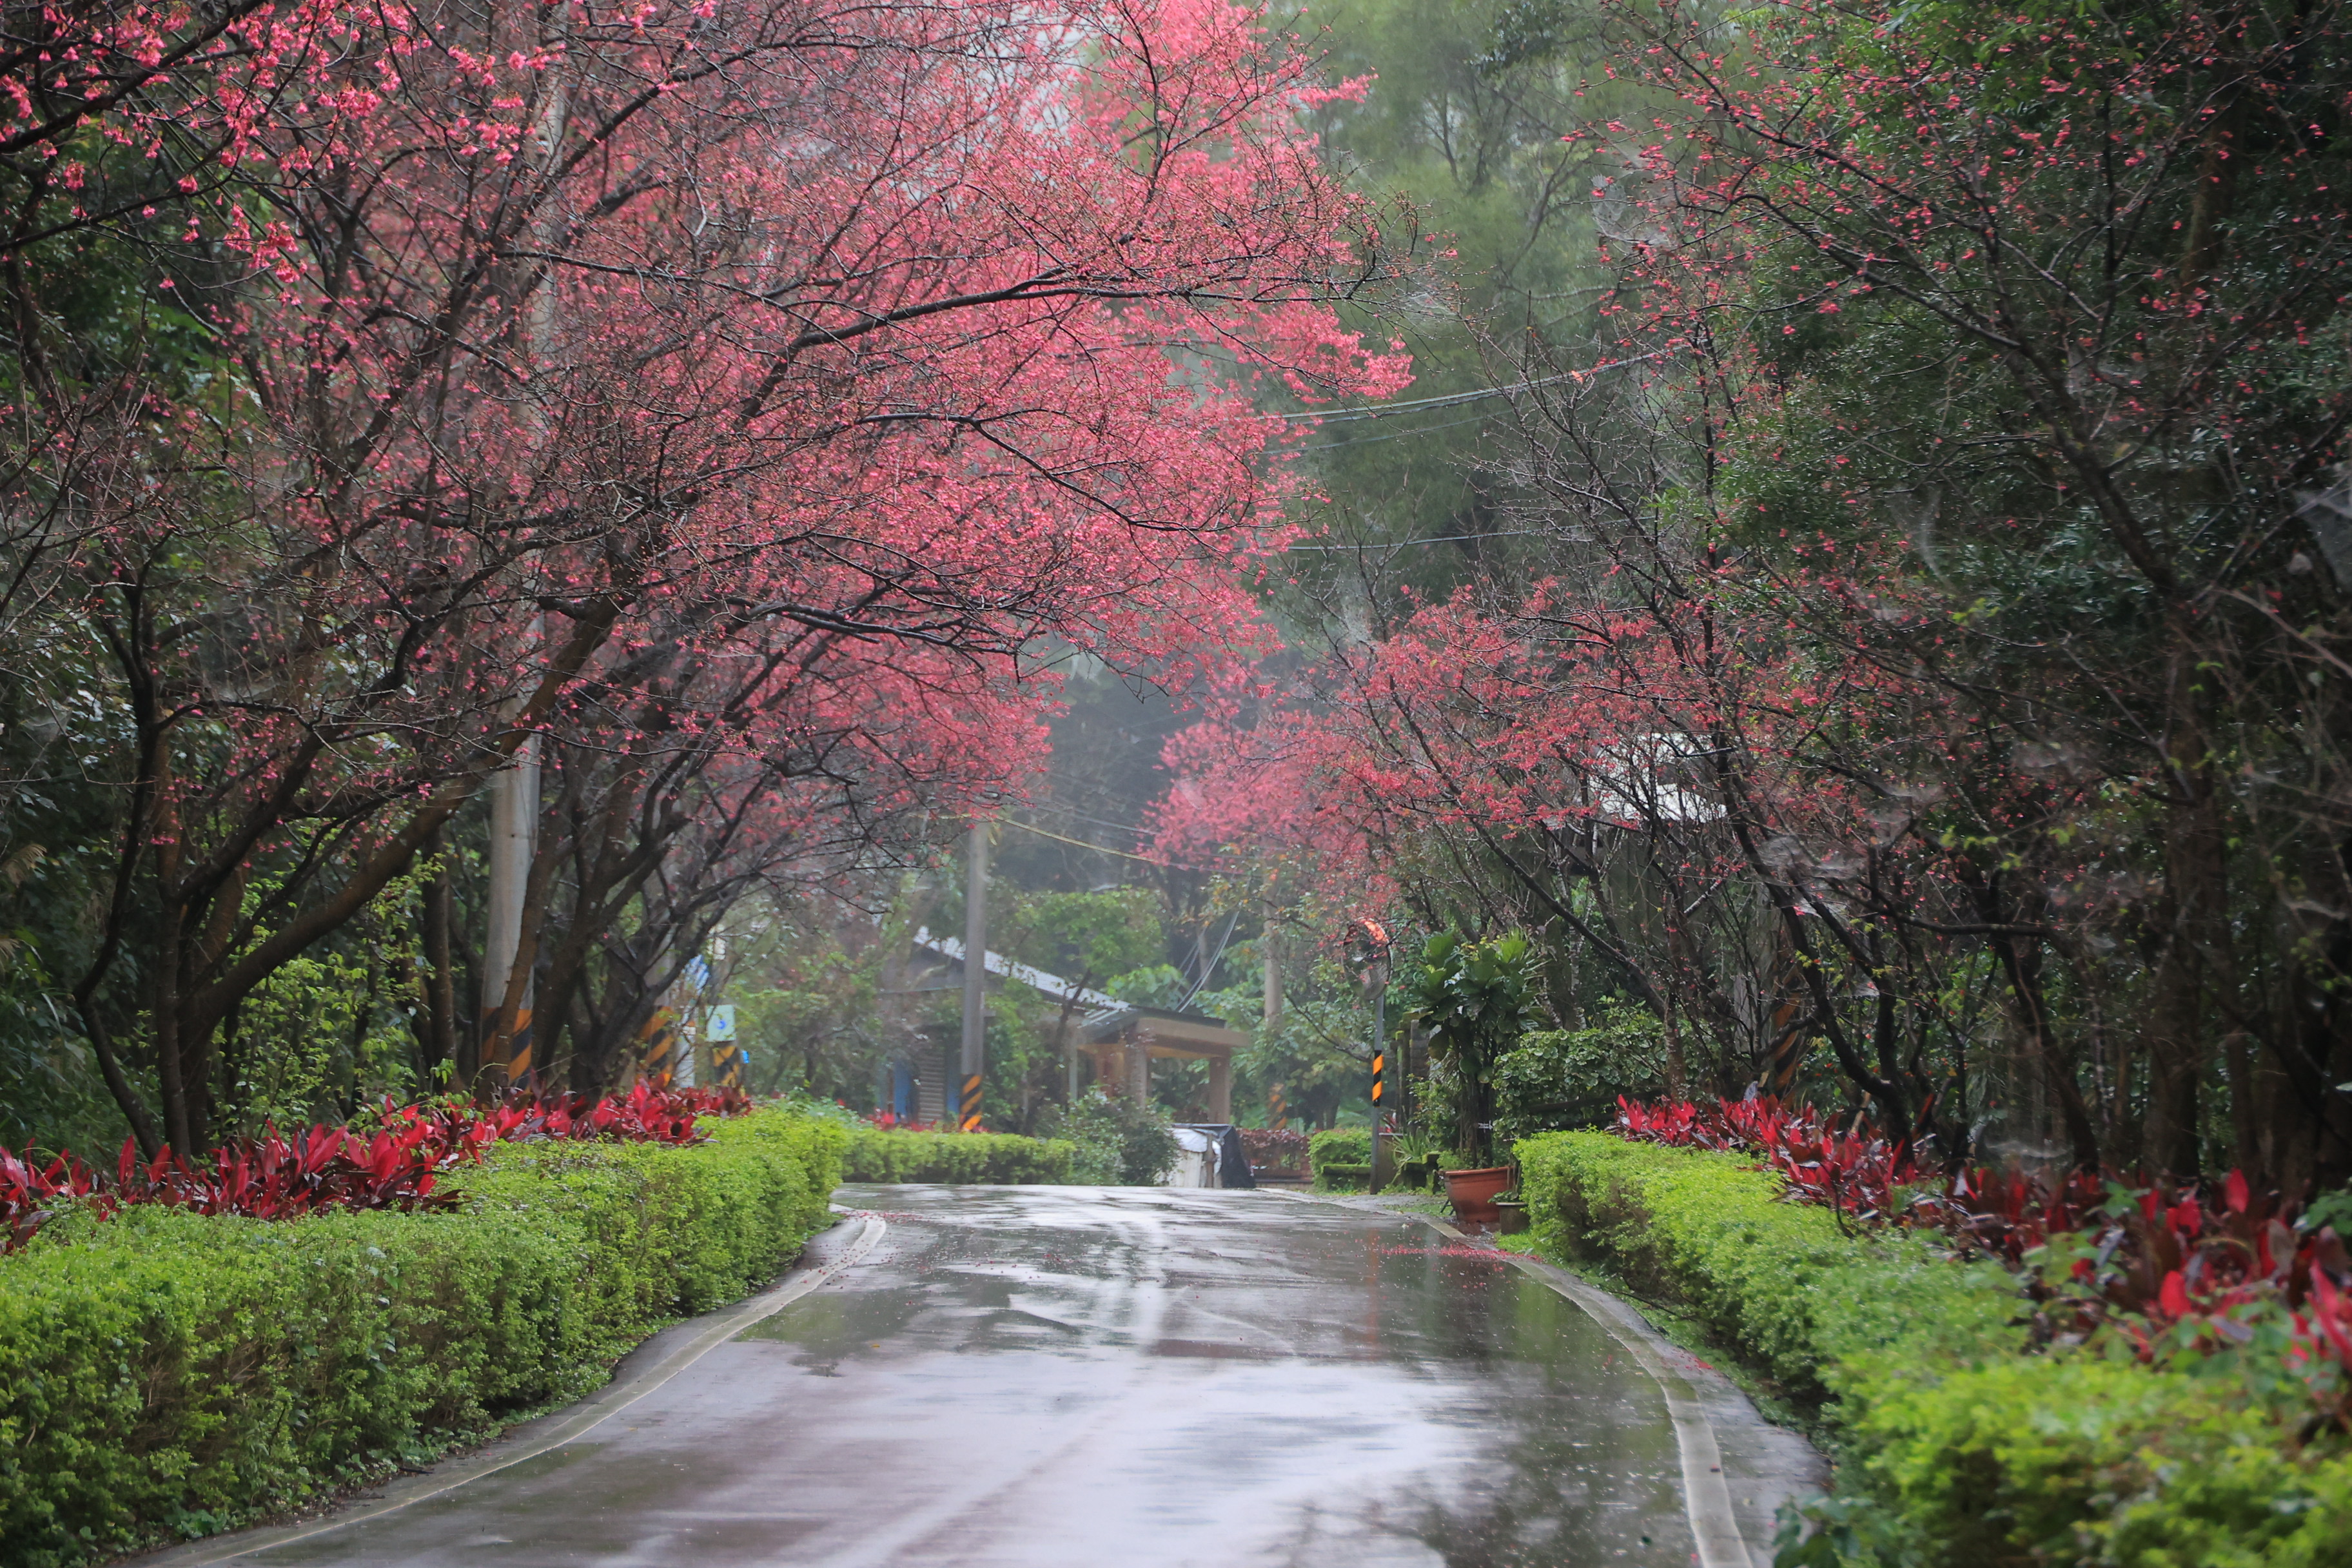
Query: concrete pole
x=1383 y=1157
x=1271 y=951
x=514 y=831
x=514 y=791
x=975 y=978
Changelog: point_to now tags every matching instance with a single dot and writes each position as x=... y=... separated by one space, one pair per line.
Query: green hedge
x=1340 y=1146
x=1340 y=1159
x=987 y=1159
x=1344 y=1177
x=173 y=1374
x=1958 y=1448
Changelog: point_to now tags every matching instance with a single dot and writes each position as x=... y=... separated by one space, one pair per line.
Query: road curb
x=693 y=1340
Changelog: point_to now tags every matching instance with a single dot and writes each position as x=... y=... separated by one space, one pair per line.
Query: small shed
x=1124 y=1040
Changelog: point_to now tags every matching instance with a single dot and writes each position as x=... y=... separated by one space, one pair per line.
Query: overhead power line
x=1079 y=843
x=1401 y=544
x=1103 y=848
x=1453 y=399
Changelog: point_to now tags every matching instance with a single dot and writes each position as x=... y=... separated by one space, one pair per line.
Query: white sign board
x=723 y=1023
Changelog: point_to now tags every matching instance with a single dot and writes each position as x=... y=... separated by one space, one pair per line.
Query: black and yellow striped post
x=1367 y=949
x=1277 y=1110
x=506 y=1058
x=727 y=1066
x=970 y=1119
x=1792 y=1037
x=658 y=1046
x=519 y=1049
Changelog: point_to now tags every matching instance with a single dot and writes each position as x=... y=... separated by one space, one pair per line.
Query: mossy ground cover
x=171 y=1373
x=1960 y=1445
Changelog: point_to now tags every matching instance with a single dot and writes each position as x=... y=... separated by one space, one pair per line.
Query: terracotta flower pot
x=1472 y=1194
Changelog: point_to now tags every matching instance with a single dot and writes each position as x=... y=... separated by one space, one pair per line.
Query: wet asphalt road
x=1042 y=1376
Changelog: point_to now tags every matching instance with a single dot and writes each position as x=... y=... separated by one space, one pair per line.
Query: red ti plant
x=1276 y=1148
x=29 y=1192
x=2168 y=1269
x=1858 y=1172
x=398 y=1166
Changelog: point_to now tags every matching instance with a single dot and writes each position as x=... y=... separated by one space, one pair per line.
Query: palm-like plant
x=1473 y=998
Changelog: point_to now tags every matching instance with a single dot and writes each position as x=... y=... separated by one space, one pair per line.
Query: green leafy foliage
x=1554 y=1080
x=987 y=1159
x=1317 y=1053
x=1474 y=997
x=1091 y=939
x=1119 y=1142
x=1959 y=1447
x=1463 y=124
x=172 y=1372
x=1340 y=1146
x=1340 y=1159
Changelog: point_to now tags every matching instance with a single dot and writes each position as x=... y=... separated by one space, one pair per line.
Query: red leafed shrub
x=1276 y=1149
x=29 y=1192
x=1855 y=1173
x=273 y=1177
x=644 y=1115
x=2170 y=1268
x=2172 y=1271
x=395 y=1165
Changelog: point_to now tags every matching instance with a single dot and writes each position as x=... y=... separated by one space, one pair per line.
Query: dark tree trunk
x=2193 y=963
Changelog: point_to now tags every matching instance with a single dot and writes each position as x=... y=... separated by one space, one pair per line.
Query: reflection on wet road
x=1096 y=1376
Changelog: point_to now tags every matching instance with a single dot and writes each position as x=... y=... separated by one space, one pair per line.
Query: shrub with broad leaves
x=2162 y=1270
x=1857 y=1172
x=398 y=1165
x=1275 y=1149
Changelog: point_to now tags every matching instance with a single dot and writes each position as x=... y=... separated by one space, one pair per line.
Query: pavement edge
x=1706 y=1492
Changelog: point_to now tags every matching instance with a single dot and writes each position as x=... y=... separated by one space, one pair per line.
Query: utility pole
x=514 y=832
x=1271 y=952
x=975 y=978
x=1383 y=1156
x=1368 y=946
x=514 y=790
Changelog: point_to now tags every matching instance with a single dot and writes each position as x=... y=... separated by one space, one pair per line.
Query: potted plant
x=1473 y=998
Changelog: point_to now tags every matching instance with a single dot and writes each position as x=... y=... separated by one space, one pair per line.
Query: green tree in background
x=1474 y=997
x=1463 y=125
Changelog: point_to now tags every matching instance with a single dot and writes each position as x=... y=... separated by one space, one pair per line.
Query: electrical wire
x=1394 y=435
x=1401 y=544
x=1211 y=967
x=1448 y=400
x=1080 y=843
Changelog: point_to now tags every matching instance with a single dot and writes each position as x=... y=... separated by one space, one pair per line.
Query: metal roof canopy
x=997 y=964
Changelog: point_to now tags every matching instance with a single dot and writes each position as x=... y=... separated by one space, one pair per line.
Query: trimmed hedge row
x=166 y=1373
x=1340 y=1146
x=1958 y=1448
x=1344 y=1177
x=986 y=1159
x=1334 y=1155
